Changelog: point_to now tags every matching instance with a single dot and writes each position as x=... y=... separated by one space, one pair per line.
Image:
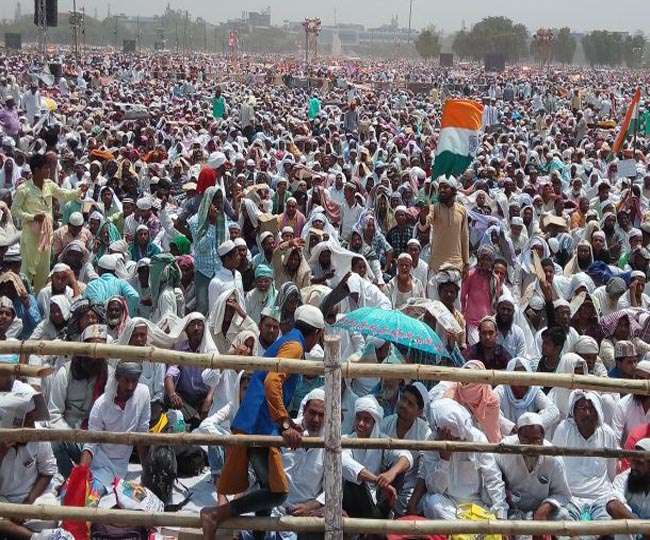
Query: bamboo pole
x=25 y=370
x=307 y=367
x=332 y=464
x=314 y=524
x=24 y=435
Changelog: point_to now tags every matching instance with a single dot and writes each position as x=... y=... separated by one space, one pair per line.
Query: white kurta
x=638 y=503
x=529 y=489
x=420 y=431
x=628 y=415
x=465 y=478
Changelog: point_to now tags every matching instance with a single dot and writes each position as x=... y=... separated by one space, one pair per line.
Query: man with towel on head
x=124 y=407
x=263 y=411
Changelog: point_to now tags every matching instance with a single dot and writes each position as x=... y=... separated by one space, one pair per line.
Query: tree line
x=504 y=36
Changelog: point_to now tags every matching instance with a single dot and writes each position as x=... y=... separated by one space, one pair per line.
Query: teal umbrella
x=395 y=327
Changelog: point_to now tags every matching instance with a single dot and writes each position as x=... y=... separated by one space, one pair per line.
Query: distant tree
x=493 y=35
x=564 y=47
x=461 y=45
x=427 y=44
x=634 y=49
x=603 y=48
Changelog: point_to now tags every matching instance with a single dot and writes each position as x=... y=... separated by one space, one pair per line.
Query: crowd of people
x=228 y=208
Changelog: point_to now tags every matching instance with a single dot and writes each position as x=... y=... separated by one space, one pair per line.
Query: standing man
x=449 y=229
x=264 y=412
x=218 y=105
x=33 y=207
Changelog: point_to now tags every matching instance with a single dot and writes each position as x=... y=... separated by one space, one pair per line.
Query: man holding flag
x=630 y=122
x=461 y=123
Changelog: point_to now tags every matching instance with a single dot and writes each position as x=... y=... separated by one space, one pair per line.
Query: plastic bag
x=134 y=496
x=473 y=512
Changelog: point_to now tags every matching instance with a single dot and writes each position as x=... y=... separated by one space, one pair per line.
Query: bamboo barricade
x=25 y=435
x=332 y=467
x=309 y=367
x=315 y=524
x=25 y=370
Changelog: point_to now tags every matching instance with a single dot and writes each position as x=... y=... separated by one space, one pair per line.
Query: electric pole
x=410 y=15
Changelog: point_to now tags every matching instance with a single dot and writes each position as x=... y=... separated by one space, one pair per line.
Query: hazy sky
x=448 y=15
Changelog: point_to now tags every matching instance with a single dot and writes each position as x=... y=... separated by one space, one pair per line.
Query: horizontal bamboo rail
x=180 y=439
x=314 y=524
x=309 y=367
x=25 y=370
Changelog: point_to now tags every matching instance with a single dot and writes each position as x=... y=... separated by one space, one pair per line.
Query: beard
x=584 y=263
x=503 y=323
x=638 y=483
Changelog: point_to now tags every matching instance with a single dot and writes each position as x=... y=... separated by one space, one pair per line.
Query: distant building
x=257 y=19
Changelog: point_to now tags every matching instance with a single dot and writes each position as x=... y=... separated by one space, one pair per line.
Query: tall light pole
x=410 y=16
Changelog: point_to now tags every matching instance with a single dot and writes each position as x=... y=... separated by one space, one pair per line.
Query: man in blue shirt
x=109 y=285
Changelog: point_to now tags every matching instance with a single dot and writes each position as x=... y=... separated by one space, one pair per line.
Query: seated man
x=487 y=350
x=304 y=466
x=537 y=484
x=447 y=480
x=632 y=410
x=366 y=470
x=123 y=407
x=631 y=488
x=26 y=469
x=74 y=389
x=408 y=424
x=185 y=389
x=590 y=478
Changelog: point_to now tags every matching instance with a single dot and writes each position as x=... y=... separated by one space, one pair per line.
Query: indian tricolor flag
x=631 y=116
x=458 y=141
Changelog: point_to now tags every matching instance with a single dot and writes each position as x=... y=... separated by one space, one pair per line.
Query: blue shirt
x=30 y=316
x=253 y=416
x=106 y=286
x=204 y=249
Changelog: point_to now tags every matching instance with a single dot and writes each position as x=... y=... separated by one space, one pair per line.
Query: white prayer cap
x=316 y=393
x=405 y=256
x=506 y=297
x=97 y=215
x=121 y=245
x=287 y=230
x=561 y=302
x=266 y=234
x=76 y=219
x=414 y=242
x=250 y=163
x=271 y=313
x=530 y=419
x=225 y=248
x=310 y=315
x=108 y=262
x=517 y=222
x=94 y=331
x=141 y=227
x=451 y=181
x=216 y=160
x=637 y=274
x=369 y=404
x=144 y=203
x=401 y=208
x=586 y=345
x=60 y=267
x=536 y=303
x=240 y=242
x=643 y=444
x=624 y=348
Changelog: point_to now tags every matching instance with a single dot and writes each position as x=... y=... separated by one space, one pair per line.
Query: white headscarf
x=449 y=414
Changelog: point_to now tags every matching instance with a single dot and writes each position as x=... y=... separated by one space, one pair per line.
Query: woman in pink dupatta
x=481 y=401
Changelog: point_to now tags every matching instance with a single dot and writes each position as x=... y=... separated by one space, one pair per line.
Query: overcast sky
x=448 y=15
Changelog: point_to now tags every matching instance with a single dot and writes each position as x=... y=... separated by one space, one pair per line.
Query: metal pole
x=75 y=28
x=306 y=48
x=42 y=24
x=410 y=15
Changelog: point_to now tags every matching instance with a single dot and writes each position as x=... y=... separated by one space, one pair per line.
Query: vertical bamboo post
x=333 y=470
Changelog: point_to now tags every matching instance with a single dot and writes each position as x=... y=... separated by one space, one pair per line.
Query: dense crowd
x=245 y=206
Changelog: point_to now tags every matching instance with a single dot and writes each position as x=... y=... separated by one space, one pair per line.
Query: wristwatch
x=286 y=424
